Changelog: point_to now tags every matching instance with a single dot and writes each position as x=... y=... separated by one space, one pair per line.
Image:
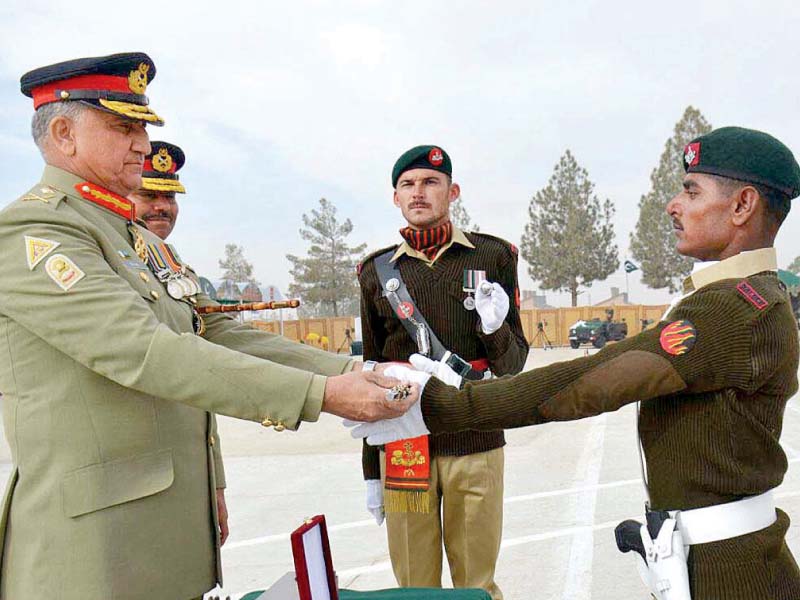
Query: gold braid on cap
x=132 y=111
x=156 y=184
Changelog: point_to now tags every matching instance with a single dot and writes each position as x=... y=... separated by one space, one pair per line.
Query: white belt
x=723 y=521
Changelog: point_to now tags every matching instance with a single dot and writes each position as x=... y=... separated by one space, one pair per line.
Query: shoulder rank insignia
x=751 y=295
x=42 y=194
x=678 y=337
x=63 y=271
x=36 y=249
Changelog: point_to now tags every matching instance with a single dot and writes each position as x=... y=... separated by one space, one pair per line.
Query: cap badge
x=162 y=162
x=137 y=79
x=435 y=157
x=691 y=154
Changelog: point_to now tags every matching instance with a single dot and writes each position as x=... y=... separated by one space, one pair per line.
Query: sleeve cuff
x=496 y=343
x=313 y=405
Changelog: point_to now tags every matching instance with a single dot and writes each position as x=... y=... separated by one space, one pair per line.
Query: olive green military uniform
x=466 y=503
x=714 y=378
x=108 y=397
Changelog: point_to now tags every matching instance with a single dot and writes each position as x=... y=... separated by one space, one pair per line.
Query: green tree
x=326 y=278
x=235 y=267
x=460 y=217
x=569 y=240
x=795 y=266
x=653 y=240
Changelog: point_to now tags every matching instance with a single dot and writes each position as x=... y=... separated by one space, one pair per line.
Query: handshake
x=408 y=390
x=383 y=406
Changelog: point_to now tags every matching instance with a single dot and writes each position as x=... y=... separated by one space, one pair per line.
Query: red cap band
x=110 y=83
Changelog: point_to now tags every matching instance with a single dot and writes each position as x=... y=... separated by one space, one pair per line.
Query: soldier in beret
x=712 y=378
x=460 y=283
x=156 y=202
x=110 y=372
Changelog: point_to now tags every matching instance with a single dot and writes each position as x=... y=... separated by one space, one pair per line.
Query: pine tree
x=569 y=240
x=795 y=266
x=235 y=267
x=460 y=217
x=653 y=241
x=325 y=279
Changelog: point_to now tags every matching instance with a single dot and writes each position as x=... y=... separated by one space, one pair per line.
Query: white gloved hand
x=492 y=307
x=409 y=425
x=436 y=368
x=375 y=499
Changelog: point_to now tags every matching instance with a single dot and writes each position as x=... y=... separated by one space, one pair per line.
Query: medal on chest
x=472 y=279
x=165 y=265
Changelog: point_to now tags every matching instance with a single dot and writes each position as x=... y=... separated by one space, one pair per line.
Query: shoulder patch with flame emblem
x=678 y=337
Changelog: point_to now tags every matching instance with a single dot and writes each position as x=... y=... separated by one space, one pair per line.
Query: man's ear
x=61 y=132
x=395 y=199
x=746 y=203
x=455 y=192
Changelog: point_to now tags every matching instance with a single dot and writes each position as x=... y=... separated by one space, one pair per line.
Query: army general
x=110 y=373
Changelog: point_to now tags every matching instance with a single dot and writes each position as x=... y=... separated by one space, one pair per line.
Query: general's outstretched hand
x=361 y=396
x=409 y=425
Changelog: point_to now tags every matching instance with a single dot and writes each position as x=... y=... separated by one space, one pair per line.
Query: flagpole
x=627 y=289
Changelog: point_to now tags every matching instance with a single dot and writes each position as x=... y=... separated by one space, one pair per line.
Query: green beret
x=746 y=155
x=422 y=157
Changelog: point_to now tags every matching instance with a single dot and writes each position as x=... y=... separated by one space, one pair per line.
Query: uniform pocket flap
x=107 y=484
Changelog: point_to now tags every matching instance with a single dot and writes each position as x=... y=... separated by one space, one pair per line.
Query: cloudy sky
x=278 y=104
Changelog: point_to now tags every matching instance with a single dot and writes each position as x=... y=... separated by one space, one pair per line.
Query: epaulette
x=505 y=243
x=373 y=255
x=43 y=194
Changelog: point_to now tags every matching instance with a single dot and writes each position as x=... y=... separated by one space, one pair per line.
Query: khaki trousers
x=466 y=513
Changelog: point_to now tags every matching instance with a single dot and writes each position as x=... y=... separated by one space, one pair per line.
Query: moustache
x=157 y=215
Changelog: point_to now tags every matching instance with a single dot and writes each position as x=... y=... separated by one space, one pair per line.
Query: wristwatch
x=369 y=365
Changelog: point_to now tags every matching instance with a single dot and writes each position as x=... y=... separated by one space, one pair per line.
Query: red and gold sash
x=408 y=475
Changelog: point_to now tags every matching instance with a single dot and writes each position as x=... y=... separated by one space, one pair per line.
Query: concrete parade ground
x=567 y=485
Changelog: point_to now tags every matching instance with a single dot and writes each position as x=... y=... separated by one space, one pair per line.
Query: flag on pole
x=629 y=267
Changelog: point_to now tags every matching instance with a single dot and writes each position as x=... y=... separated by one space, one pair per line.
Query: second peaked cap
x=161 y=166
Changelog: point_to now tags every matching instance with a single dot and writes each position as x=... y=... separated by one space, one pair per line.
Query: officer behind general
x=110 y=374
x=156 y=201
x=461 y=283
x=157 y=207
x=713 y=377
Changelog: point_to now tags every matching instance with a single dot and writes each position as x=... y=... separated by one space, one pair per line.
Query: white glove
x=375 y=499
x=436 y=368
x=492 y=307
x=409 y=425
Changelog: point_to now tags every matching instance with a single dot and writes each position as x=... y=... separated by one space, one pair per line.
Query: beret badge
x=435 y=157
x=691 y=154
